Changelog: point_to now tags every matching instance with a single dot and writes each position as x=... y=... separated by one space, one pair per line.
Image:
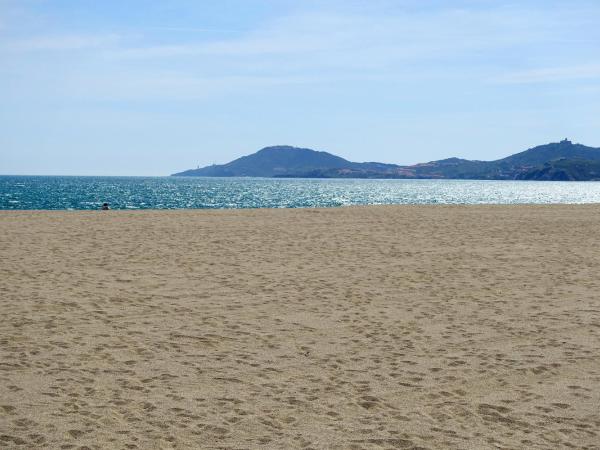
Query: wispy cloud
x=190 y=29
x=60 y=43
x=318 y=46
x=550 y=74
x=409 y=34
x=160 y=86
x=370 y=43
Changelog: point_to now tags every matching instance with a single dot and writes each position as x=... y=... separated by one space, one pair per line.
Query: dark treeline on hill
x=563 y=161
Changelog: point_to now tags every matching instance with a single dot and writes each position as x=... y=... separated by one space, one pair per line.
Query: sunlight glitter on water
x=38 y=192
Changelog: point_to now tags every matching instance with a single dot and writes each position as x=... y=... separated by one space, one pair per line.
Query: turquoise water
x=38 y=192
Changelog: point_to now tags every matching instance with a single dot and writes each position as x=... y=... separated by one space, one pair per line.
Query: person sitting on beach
x=105 y=207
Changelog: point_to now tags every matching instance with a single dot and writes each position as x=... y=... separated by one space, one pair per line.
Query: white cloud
x=159 y=86
x=315 y=47
x=60 y=43
x=374 y=44
x=550 y=74
x=409 y=33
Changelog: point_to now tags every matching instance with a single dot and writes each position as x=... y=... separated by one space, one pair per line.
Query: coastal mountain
x=283 y=160
x=555 y=161
x=565 y=170
x=574 y=162
x=273 y=161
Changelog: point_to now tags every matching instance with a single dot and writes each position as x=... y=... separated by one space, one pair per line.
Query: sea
x=88 y=193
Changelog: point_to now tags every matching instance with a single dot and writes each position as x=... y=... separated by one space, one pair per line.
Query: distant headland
x=558 y=161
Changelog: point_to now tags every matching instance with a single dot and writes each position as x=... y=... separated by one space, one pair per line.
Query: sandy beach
x=430 y=327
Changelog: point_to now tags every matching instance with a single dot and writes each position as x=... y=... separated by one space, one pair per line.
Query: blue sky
x=151 y=88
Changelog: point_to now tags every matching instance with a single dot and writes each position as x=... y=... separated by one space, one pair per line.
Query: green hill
x=565 y=170
x=273 y=161
x=555 y=161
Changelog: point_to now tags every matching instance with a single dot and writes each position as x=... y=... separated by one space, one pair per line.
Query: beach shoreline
x=408 y=326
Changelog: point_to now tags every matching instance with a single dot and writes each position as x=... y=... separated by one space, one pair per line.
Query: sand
x=369 y=327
